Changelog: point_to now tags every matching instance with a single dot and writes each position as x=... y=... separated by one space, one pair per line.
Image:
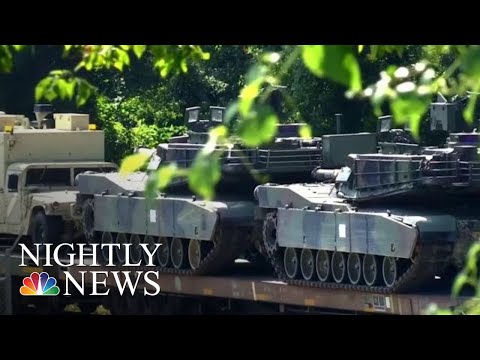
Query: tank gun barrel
x=320 y=174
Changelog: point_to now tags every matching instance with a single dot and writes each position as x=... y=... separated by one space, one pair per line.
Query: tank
x=39 y=160
x=197 y=236
x=385 y=222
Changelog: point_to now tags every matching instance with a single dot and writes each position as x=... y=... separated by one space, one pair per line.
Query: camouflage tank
x=198 y=236
x=385 y=222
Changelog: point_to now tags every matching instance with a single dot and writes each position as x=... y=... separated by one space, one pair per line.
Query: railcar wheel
x=389 y=271
x=163 y=252
x=370 y=269
x=354 y=268
x=290 y=262
x=323 y=265
x=194 y=253
x=307 y=264
x=107 y=238
x=135 y=249
x=177 y=253
x=120 y=252
x=338 y=267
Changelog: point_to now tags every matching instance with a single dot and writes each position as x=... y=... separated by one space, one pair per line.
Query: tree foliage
x=404 y=90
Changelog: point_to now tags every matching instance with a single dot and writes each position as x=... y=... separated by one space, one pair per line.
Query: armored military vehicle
x=202 y=237
x=39 y=161
x=385 y=222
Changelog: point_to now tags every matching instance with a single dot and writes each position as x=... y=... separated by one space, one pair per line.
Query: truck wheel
x=45 y=229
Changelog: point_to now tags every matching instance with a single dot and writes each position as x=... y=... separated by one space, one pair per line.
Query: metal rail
x=260 y=289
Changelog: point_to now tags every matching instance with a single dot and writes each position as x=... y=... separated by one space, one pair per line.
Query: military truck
x=39 y=161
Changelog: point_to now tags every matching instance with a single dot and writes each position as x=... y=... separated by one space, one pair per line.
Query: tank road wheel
x=290 y=262
x=107 y=238
x=370 y=269
x=194 y=253
x=270 y=233
x=88 y=220
x=135 y=249
x=177 y=253
x=120 y=252
x=323 y=265
x=150 y=241
x=389 y=271
x=354 y=268
x=338 y=267
x=163 y=252
x=307 y=264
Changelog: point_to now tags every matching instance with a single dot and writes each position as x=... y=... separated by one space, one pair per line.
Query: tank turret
x=287 y=152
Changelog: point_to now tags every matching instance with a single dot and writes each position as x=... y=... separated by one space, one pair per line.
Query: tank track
x=224 y=252
x=420 y=271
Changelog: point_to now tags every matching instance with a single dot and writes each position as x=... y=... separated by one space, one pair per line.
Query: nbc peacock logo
x=39 y=285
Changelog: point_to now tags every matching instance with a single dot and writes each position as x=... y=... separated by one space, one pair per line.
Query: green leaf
x=460 y=281
x=18 y=47
x=220 y=131
x=123 y=57
x=84 y=91
x=469 y=110
x=6 y=59
x=443 y=312
x=70 y=89
x=247 y=95
x=139 y=50
x=231 y=112
x=125 y=47
x=42 y=88
x=306 y=131
x=183 y=65
x=59 y=73
x=165 y=175
x=259 y=127
x=336 y=62
x=256 y=73
x=471 y=62
x=410 y=107
x=271 y=57
x=472 y=258
x=204 y=174
x=360 y=48
x=205 y=55
x=133 y=162
x=61 y=87
x=118 y=65
x=151 y=186
x=216 y=135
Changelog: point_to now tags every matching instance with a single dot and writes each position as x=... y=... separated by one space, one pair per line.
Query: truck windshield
x=51 y=177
